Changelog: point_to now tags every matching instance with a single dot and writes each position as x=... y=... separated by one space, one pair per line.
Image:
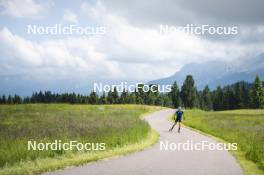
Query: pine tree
x=257 y=94
x=124 y=97
x=17 y=99
x=218 y=99
x=4 y=99
x=238 y=96
x=48 y=97
x=150 y=99
x=72 y=98
x=132 y=98
x=206 y=99
x=110 y=97
x=139 y=100
x=140 y=94
x=103 y=99
x=26 y=100
x=246 y=94
x=175 y=95
x=93 y=99
x=40 y=97
x=159 y=101
x=229 y=98
x=167 y=101
x=113 y=97
x=10 y=99
x=189 y=93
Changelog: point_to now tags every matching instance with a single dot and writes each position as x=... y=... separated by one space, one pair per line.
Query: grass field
x=115 y=125
x=245 y=127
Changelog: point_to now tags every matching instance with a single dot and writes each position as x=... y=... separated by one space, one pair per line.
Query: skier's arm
x=175 y=115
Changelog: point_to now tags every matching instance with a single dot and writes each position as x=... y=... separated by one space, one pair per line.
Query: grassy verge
x=49 y=164
x=244 y=127
x=119 y=126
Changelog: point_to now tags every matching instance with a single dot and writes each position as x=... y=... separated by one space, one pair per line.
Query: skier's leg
x=173 y=126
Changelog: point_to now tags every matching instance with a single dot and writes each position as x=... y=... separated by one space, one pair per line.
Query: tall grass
x=115 y=125
x=245 y=127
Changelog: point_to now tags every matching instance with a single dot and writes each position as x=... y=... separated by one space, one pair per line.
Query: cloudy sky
x=132 y=47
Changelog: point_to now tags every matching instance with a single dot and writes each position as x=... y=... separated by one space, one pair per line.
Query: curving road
x=153 y=161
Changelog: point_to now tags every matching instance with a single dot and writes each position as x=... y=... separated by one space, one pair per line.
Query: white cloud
x=18 y=50
x=127 y=51
x=188 y=11
x=75 y=57
x=70 y=16
x=143 y=53
x=21 y=8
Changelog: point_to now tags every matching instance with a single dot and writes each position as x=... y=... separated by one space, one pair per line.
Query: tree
x=159 y=101
x=10 y=99
x=150 y=99
x=238 y=96
x=246 y=94
x=17 y=99
x=4 y=99
x=206 y=99
x=140 y=94
x=229 y=98
x=40 y=97
x=132 y=98
x=189 y=93
x=26 y=100
x=113 y=97
x=174 y=94
x=167 y=101
x=124 y=97
x=103 y=99
x=139 y=100
x=93 y=98
x=72 y=98
x=257 y=93
x=47 y=97
x=218 y=99
x=150 y=96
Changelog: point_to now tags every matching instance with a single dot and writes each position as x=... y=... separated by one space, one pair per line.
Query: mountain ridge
x=215 y=73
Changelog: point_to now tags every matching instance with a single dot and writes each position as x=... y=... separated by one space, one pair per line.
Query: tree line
x=236 y=96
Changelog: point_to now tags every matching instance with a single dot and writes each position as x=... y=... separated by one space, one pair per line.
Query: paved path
x=153 y=161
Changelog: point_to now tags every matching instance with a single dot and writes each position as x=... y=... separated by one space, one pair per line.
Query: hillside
x=216 y=73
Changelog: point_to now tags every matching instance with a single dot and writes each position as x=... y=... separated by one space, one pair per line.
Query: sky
x=132 y=47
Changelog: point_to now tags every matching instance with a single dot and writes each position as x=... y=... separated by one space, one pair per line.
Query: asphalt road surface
x=157 y=161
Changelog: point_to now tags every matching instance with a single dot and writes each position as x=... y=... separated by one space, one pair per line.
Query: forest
x=240 y=95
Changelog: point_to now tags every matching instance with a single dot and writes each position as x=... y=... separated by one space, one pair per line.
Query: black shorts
x=178 y=120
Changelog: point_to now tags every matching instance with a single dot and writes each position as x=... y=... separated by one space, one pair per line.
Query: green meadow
x=115 y=125
x=244 y=127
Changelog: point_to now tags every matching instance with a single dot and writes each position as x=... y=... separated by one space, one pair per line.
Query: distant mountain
x=24 y=86
x=216 y=73
x=213 y=73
